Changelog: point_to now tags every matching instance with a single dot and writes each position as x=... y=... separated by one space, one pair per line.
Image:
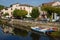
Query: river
x=23 y=35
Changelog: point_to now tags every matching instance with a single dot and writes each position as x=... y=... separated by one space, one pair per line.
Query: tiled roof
x=22 y=5
x=50 y=3
x=26 y=5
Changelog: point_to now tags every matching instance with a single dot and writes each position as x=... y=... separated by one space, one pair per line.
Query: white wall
x=56 y=3
x=17 y=6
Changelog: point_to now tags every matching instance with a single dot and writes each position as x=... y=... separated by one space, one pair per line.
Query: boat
x=42 y=30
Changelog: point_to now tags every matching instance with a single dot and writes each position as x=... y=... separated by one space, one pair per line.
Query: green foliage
x=19 y=13
x=57 y=10
x=6 y=14
x=35 y=13
x=1 y=7
x=0 y=22
x=49 y=10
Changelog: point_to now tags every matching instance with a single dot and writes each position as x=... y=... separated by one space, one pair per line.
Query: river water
x=23 y=35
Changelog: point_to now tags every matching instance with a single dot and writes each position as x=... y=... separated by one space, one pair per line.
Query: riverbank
x=55 y=34
x=26 y=25
x=22 y=35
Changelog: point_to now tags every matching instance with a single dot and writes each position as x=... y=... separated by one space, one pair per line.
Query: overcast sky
x=31 y=2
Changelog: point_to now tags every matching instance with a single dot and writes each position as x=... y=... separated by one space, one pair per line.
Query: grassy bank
x=55 y=34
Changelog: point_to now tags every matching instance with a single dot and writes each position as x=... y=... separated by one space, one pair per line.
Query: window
x=21 y=8
x=1 y=12
x=24 y=8
x=11 y=13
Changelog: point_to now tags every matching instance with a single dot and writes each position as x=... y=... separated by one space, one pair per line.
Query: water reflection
x=32 y=36
x=41 y=37
x=20 y=32
x=24 y=35
x=35 y=36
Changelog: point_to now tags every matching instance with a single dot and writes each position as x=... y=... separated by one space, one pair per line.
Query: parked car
x=58 y=21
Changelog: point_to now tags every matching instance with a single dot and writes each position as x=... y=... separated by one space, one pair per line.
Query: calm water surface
x=23 y=35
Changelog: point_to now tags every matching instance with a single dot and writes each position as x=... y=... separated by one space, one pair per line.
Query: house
x=54 y=4
x=12 y=7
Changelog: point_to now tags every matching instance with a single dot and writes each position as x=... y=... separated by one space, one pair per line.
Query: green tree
x=19 y=13
x=49 y=10
x=35 y=13
x=58 y=12
x=1 y=7
x=6 y=14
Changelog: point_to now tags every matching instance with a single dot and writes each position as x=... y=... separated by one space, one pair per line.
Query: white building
x=10 y=9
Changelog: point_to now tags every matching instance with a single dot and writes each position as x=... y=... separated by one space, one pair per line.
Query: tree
x=6 y=14
x=1 y=7
x=49 y=10
x=19 y=13
x=35 y=13
x=58 y=12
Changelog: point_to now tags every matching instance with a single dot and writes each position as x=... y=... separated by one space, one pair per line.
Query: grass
x=55 y=34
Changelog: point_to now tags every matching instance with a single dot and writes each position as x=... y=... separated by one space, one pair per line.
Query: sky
x=30 y=2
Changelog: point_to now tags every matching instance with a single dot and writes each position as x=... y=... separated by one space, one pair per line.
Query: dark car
x=58 y=21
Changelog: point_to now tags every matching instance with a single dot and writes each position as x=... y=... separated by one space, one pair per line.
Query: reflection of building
x=10 y=9
x=54 y=4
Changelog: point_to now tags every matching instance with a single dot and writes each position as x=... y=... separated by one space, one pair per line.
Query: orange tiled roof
x=50 y=3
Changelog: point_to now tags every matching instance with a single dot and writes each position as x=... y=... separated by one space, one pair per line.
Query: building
x=54 y=4
x=12 y=7
x=29 y=8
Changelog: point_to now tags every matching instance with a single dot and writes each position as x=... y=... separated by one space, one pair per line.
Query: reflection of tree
x=3 y=23
x=35 y=36
x=20 y=32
